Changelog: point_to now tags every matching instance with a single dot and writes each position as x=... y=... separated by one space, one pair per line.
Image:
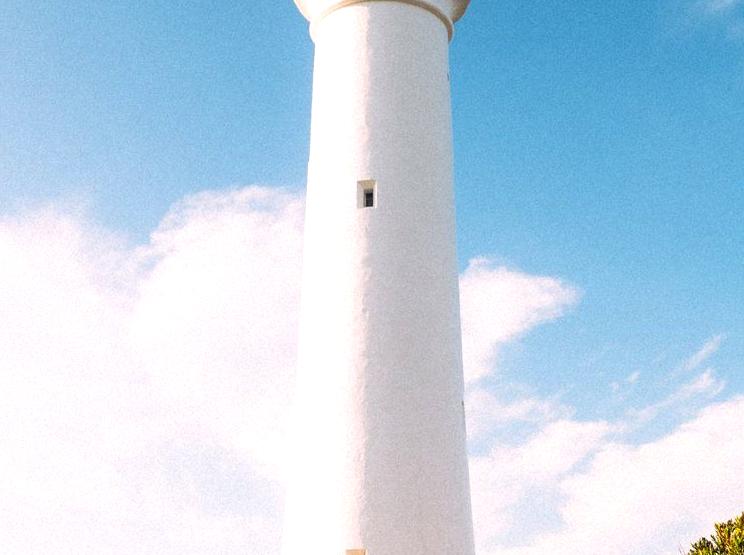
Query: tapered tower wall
x=378 y=459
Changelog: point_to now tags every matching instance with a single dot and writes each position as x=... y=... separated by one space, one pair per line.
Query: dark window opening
x=367 y=193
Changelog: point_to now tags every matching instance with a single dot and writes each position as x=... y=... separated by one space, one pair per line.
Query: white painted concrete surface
x=378 y=458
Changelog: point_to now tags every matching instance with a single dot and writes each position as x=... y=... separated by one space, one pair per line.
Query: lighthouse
x=378 y=463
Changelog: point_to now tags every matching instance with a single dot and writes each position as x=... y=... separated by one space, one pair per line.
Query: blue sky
x=597 y=145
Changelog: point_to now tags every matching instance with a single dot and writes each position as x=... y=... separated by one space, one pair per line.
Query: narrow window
x=367 y=193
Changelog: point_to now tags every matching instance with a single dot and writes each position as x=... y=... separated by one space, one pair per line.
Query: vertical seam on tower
x=418 y=3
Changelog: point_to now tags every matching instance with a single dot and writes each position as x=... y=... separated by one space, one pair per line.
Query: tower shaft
x=379 y=459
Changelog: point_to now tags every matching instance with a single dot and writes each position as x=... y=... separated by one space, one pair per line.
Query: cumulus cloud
x=143 y=391
x=653 y=498
x=143 y=388
x=566 y=487
x=526 y=493
x=514 y=487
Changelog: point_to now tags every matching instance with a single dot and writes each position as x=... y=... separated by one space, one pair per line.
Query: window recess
x=366 y=193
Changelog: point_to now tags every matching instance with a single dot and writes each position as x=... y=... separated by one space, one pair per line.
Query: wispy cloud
x=710 y=347
x=726 y=14
x=632 y=379
x=499 y=305
x=719 y=6
x=488 y=413
x=706 y=385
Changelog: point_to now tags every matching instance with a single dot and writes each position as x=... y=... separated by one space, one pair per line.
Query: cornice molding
x=423 y=4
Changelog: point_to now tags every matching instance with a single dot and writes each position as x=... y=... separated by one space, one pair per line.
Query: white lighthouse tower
x=378 y=464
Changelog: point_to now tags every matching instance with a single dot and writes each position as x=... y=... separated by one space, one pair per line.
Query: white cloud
x=511 y=484
x=706 y=385
x=498 y=305
x=216 y=316
x=486 y=412
x=143 y=391
x=710 y=348
x=521 y=496
x=633 y=378
x=654 y=498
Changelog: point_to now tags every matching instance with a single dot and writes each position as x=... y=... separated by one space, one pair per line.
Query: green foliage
x=728 y=539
